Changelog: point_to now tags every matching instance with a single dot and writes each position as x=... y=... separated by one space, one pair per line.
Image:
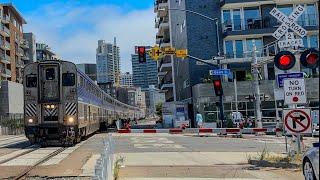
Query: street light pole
x=256 y=87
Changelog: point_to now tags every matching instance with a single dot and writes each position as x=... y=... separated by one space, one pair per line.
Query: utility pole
x=256 y=87
x=235 y=91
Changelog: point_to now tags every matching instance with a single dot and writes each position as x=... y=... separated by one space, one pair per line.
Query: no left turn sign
x=297 y=121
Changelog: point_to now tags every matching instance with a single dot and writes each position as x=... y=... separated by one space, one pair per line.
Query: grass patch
x=117 y=165
x=266 y=159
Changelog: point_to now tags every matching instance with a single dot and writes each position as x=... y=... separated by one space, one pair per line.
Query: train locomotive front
x=51 y=102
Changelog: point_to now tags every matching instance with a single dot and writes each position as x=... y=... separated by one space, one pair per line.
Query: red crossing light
x=310 y=58
x=284 y=60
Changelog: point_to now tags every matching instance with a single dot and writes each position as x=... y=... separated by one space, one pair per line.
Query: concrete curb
x=104 y=166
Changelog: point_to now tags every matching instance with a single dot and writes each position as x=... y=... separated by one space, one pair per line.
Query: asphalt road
x=125 y=143
x=177 y=156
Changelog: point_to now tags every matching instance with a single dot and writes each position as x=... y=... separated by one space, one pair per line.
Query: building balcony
x=165 y=64
x=20 y=52
x=6 y=73
x=164 y=43
x=5 y=45
x=264 y=55
x=5 y=19
x=159 y=4
x=261 y=25
x=19 y=64
x=25 y=57
x=162 y=22
x=4 y=30
x=5 y=59
x=24 y=44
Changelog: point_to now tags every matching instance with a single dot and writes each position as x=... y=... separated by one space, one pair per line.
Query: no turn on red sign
x=294 y=91
x=297 y=121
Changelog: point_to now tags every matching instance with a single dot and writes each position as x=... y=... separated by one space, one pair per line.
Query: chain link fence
x=12 y=124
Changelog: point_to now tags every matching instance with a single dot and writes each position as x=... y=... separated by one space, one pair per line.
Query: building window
x=285 y=9
x=252 y=18
x=258 y=43
x=239 y=49
x=226 y=15
x=236 y=19
x=229 y=49
x=314 y=41
x=309 y=16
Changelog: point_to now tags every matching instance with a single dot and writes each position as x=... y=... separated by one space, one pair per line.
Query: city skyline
x=75 y=29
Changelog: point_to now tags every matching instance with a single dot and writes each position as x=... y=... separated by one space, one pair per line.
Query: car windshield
x=159 y=89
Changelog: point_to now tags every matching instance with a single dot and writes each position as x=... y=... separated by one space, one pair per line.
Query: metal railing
x=265 y=22
x=6 y=19
x=5 y=29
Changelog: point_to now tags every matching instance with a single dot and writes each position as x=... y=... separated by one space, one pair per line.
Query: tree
x=159 y=110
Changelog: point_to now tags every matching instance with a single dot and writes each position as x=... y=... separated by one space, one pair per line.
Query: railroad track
x=32 y=148
x=12 y=143
x=46 y=158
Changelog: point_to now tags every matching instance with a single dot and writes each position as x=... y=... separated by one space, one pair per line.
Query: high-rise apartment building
x=30 y=52
x=108 y=62
x=143 y=74
x=126 y=79
x=12 y=44
x=44 y=52
x=89 y=69
x=185 y=30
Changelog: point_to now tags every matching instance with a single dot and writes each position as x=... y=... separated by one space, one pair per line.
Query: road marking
x=154 y=142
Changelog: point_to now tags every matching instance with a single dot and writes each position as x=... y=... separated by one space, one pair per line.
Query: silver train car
x=62 y=104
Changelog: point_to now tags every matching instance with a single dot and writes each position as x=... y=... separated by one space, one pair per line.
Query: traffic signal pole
x=258 y=112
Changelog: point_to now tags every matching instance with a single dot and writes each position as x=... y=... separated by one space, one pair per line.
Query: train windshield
x=49 y=83
x=68 y=79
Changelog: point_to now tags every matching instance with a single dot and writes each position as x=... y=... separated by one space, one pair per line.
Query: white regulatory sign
x=294 y=91
x=288 y=22
x=297 y=121
x=290 y=41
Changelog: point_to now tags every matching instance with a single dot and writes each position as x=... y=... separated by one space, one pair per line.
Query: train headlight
x=52 y=106
x=48 y=106
x=30 y=120
x=70 y=120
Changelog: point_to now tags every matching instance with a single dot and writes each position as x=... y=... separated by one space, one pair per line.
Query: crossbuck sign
x=288 y=22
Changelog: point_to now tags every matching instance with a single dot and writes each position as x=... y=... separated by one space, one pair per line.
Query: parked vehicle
x=311 y=163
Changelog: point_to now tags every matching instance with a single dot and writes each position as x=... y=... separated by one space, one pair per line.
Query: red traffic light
x=217 y=83
x=142 y=54
x=218 y=87
x=284 y=60
x=310 y=58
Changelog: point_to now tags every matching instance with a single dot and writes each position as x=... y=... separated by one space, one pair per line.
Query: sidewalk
x=185 y=158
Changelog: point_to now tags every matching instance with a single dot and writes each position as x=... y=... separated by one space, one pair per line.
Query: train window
x=31 y=81
x=68 y=79
x=50 y=74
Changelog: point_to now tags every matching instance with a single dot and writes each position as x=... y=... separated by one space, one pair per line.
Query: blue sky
x=73 y=27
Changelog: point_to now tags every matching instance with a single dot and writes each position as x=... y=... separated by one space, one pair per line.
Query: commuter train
x=63 y=104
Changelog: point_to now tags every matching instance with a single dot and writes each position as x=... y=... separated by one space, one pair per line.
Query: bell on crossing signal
x=142 y=54
x=218 y=87
x=284 y=60
x=310 y=58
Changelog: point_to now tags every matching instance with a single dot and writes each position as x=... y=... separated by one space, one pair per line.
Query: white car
x=311 y=163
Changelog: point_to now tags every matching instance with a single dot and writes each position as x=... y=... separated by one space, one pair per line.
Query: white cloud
x=73 y=32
